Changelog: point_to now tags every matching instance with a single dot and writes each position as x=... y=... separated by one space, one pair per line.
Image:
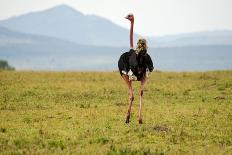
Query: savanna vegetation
x=84 y=113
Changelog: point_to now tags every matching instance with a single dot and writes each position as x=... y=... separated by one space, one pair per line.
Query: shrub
x=5 y=66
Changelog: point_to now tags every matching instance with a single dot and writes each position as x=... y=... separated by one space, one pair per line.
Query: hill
x=33 y=52
x=69 y=24
x=217 y=37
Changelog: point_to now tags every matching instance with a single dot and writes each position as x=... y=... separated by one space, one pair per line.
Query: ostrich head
x=130 y=17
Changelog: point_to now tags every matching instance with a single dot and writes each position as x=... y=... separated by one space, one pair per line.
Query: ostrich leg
x=141 y=100
x=131 y=97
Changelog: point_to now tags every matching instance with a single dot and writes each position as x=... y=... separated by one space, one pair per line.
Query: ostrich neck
x=131 y=34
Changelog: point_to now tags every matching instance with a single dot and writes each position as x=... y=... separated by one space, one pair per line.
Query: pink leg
x=141 y=100
x=131 y=96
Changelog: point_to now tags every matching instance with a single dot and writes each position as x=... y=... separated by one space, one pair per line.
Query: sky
x=152 y=17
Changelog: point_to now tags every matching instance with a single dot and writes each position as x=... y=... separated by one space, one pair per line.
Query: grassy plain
x=84 y=113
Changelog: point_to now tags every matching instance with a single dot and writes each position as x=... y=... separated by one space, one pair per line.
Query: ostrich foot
x=127 y=118
x=140 y=121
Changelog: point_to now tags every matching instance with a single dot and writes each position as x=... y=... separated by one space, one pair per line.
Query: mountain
x=33 y=52
x=11 y=38
x=66 y=23
x=69 y=24
x=219 y=37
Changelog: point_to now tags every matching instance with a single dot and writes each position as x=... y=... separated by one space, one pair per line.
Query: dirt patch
x=159 y=128
x=219 y=98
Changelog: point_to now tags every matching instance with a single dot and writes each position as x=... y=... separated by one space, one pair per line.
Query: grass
x=84 y=113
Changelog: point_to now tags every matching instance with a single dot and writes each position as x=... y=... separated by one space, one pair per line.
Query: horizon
x=219 y=11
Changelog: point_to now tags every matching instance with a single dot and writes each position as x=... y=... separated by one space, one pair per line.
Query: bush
x=5 y=66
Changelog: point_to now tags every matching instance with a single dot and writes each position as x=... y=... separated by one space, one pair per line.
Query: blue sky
x=152 y=17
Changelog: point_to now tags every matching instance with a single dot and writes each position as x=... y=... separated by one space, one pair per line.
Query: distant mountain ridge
x=33 y=52
x=67 y=23
x=9 y=37
x=217 y=37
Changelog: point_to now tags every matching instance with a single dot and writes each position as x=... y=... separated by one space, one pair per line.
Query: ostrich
x=135 y=66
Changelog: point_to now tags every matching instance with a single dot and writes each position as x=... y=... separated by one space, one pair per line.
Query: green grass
x=84 y=113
